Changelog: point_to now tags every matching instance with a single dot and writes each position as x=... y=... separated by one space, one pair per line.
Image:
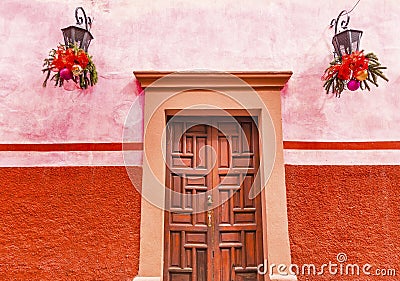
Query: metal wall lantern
x=347 y=41
x=78 y=35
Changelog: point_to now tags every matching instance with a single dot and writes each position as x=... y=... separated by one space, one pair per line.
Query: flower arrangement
x=70 y=62
x=353 y=71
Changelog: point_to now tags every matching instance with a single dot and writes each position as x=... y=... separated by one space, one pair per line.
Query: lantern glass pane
x=347 y=42
x=80 y=36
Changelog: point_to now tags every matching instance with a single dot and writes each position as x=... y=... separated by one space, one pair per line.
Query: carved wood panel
x=212 y=160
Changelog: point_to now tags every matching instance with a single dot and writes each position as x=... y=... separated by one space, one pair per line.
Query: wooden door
x=213 y=230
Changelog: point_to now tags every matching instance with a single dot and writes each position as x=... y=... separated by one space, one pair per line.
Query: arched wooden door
x=212 y=160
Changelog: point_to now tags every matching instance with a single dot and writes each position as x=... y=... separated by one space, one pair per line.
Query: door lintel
x=258 y=80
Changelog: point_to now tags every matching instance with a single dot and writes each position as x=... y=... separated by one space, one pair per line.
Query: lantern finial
x=80 y=20
x=343 y=23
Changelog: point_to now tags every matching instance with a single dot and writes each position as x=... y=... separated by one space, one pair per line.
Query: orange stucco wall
x=68 y=223
x=82 y=223
x=344 y=209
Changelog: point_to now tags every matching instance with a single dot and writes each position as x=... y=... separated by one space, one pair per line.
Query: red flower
x=66 y=58
x=329 y=72
x=82 y=59
x=344 y=72
x=349 y=66
x=362 y=64
x=63 y=58
x=69 y=58
x=57 y=61
x=356 y=61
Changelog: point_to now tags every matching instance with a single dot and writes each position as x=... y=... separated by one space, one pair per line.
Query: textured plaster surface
x=69 y=223
x=187 y=35
x=81 y=223
x=344 y=209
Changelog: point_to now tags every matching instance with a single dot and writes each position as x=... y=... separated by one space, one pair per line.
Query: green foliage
x=336 y=85
x=89 y=76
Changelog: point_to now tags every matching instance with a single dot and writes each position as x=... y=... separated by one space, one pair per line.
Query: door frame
x=212 y=133
x=238 y=93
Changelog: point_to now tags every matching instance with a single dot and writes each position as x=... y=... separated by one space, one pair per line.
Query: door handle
x=209 y=212
x=209 y=215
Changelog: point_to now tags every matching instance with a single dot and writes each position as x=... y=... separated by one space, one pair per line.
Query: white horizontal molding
x=342 y=157
x=70 y=158
x=147 y=278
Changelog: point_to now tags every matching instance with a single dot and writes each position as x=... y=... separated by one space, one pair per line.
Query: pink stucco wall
x=187 y=35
